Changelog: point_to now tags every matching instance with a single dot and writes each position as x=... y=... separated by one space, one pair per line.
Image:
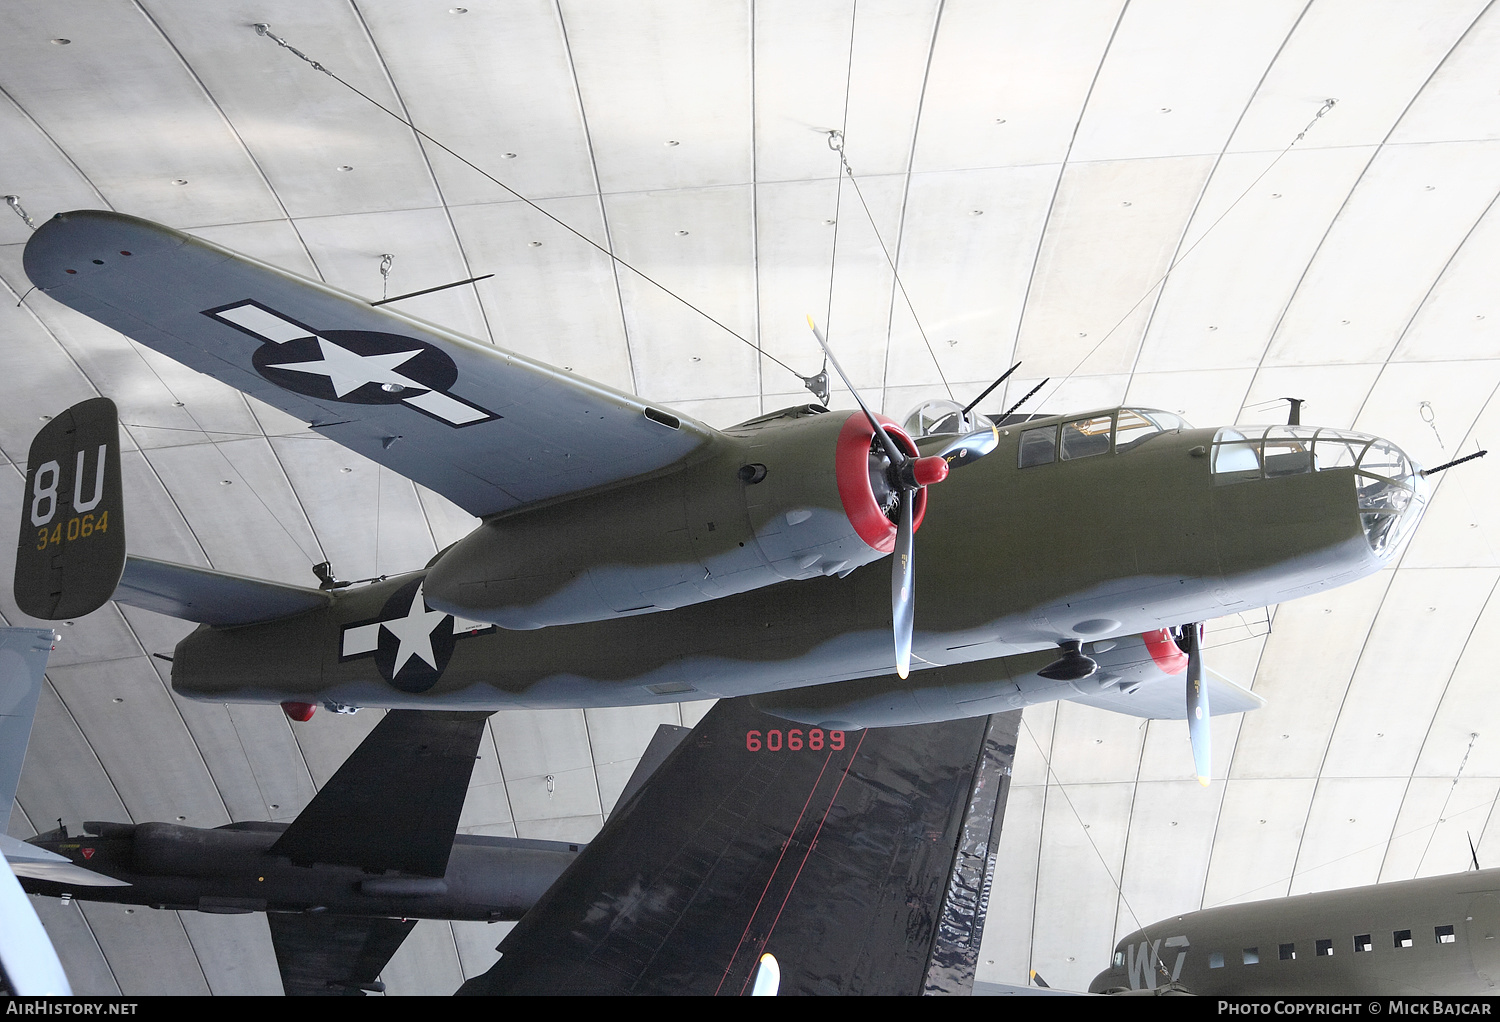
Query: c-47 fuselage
x=1076 y=527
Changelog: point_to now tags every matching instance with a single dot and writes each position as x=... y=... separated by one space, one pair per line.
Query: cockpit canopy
x=1386 y=481
x=1119 y=431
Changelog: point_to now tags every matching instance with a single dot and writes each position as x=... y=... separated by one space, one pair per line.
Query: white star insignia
x=348 y=371
x=414 y=631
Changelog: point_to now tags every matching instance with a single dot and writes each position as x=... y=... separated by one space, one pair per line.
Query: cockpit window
x=1235 y=457
x=1039 y=446
x=1132 y=428
x=1084 y=438
x=1122 y=431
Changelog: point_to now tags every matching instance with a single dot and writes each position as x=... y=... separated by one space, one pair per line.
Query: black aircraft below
x=840 y=862
x=344 y=883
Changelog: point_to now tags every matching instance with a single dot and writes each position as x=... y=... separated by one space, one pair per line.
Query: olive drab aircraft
x=629 y=554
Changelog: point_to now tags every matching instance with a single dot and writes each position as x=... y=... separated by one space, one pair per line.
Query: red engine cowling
x=859 y=466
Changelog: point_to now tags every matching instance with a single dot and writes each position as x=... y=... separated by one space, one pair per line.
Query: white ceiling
x=1036 y=170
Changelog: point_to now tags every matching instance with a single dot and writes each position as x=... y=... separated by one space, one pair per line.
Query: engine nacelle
x=796 y=494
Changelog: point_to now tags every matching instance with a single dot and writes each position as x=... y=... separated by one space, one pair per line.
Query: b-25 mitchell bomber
x=628 y=554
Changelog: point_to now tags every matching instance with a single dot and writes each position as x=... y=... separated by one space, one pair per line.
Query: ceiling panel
x=1008 y=81
x=1371 y=55
x=509 y=59
x=151 y=126
x=321 y=148
x=1438 y=817
x=1260 y=828
x=234 y=952
x=350 y=250
x=1348 y=825
x=148 y=951
x=1314 y=646
x=1409 y=213
x=1172 y=826
x=1401 y=673
x=700 y=244
x=1079 y=863
x=1259 y=222
x=667 y=88
x=1178 y=76
x=1110 y=238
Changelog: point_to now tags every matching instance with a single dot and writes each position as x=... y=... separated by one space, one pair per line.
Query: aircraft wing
x=861 y=860
x=327 y=955
x=489 y=429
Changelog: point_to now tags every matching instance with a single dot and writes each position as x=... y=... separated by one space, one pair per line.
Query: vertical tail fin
x=71 y=550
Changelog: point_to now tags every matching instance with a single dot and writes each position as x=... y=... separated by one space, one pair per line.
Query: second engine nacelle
x=795 y=494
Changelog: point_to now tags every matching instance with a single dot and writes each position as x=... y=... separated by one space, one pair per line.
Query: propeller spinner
x=906 y=475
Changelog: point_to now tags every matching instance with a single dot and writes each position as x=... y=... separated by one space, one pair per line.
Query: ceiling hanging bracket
x=14 y=202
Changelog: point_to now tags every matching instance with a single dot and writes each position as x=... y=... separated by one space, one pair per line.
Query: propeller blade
x=891 y=450
x=903 y=604
x=967 y=449
x=1197 y=704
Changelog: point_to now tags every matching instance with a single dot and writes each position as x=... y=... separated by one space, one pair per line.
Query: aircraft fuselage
x=1011 y=559
x=230 y=870
x=1436 y=935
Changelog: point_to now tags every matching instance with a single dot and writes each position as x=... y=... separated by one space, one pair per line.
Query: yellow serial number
x=73 y=528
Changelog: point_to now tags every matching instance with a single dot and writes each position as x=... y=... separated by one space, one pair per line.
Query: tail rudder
x=71 y=550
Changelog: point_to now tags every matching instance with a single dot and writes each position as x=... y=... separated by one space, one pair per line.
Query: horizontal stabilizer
x=1164 y=702
x=211 y=597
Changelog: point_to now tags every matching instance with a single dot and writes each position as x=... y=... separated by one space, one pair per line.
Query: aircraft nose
x=1389 y=487
x=1391 y=492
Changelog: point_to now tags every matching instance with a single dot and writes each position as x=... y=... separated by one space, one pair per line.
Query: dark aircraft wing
x=860 y=860
x=489 y=429
x=323 y=955
x=394 y=804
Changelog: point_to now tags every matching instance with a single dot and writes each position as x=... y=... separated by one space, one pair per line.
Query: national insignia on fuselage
x=410 y=642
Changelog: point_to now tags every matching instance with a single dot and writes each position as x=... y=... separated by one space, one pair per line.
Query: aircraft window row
x=1324 y=948
x=1120 y=431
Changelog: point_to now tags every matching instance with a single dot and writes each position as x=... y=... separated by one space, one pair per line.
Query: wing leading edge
x=489 y=429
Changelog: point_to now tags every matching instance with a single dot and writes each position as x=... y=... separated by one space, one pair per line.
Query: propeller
x=1191 y=643
x=907 y=474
